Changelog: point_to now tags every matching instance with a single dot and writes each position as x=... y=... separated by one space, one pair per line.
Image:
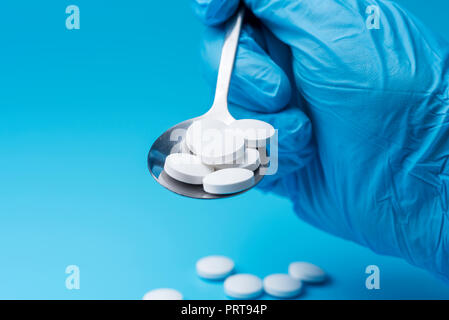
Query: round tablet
x=186 y=168
x=243 y=286
x=214 y=142
x=255 y=132
x=227 y=181
x=163 y=294
x=306 y=272
x=195 y=132
x=250 y=161
x=282 y=285
x=214 y=267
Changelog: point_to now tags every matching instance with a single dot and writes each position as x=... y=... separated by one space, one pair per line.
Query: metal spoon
x=172 y=139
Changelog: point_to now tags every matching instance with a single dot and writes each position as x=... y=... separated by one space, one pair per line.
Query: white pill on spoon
x=214 y=142
x=186 y=168
x=256 y=133
x=250 y=161
x=227 y=181
x=195 y=132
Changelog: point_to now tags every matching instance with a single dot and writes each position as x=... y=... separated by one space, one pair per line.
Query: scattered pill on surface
x=243 y=286
x=306 y=272
x=163 y=294
x=186 y=168
x=227 y=181
x=282 y=286
x=214 y=267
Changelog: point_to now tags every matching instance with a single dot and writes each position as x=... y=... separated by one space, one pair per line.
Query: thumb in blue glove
x=374 y=169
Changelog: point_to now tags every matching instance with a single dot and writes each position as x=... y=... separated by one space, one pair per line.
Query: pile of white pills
x=221 y=157
x=249 y=286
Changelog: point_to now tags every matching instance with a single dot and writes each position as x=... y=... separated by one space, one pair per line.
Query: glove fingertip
x=280 y=96
x=267 y=83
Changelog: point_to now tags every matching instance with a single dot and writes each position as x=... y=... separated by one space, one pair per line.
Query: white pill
x=250 y=161
x=227 y=181
x=255 y=132
x=282 y=285
x=306 y=272
x=197 y=129
x=214 y=267
x=186 y=168
x=214 y=142
x=243 y=286
x=163 y=294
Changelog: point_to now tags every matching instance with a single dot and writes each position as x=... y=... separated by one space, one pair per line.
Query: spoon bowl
x=171 y=141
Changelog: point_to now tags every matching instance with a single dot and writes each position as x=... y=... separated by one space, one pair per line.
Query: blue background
x=78 y=112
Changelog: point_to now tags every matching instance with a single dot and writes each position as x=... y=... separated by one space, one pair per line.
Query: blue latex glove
x=362 y=116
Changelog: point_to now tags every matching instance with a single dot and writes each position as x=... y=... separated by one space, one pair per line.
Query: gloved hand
x=362 y=116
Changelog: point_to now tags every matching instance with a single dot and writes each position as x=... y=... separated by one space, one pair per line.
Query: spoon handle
x=229 y=50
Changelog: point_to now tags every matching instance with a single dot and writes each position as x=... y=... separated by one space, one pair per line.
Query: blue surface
x=78 y=113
